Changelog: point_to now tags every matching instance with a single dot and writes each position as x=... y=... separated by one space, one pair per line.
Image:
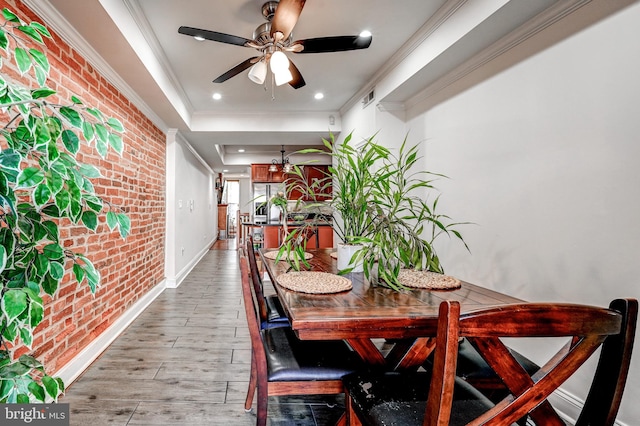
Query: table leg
x=368 y=351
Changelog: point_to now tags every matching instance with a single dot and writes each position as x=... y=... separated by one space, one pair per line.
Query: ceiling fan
x=272 y=39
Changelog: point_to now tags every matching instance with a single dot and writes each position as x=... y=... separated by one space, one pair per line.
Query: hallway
x=185 y=361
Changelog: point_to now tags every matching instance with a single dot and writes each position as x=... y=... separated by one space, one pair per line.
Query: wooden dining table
x=404 y=320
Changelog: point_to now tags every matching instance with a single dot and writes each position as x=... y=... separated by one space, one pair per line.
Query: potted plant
x=352 y=178
x=406 y=220
x=43 y=187
x=381 y=209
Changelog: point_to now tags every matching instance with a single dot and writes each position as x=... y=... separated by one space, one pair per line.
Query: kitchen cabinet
x=273 y=235
x=260 y=174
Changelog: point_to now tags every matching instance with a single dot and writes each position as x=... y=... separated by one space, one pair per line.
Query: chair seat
x=400 y=399
x=292 y=359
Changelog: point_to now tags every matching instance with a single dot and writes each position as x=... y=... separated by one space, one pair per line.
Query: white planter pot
x=345 y=253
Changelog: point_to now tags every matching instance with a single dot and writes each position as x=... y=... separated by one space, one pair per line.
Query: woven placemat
x=427 y=280
x=273 y=254
x=314 y=282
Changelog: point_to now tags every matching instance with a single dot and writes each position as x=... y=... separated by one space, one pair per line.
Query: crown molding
x=55 y=21
x=539 y=23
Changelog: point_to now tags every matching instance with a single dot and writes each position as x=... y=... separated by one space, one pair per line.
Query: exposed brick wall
x=136 y=181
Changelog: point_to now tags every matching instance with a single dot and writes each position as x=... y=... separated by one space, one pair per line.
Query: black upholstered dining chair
x=269 y=307
x=409 y=398
x=281 y=364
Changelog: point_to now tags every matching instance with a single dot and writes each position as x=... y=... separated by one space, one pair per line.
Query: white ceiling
x=169 y=75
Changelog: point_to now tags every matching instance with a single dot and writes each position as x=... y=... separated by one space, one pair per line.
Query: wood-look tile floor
x=185 y=361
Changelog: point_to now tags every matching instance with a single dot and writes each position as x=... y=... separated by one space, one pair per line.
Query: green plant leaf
x=90 y=219
x=10 y=332
x=62 y=200
x=72 y=116
x=93 y=202
x=101 y=133
x=26 y=336
x=115 y=124
x=10 y=160
x=51 y=385
x=14 y=302
x=96 y=113
x=52 y=230
x=41 y=264
x=53 y=251
x=78 y=271
x=6 y=386
x=55 y=183
x=42 y=194
x=112 y=220
x=50 y=285
x=71 y=141
x=101 y=147
x=10 y=16
x=56 y=270
x=92 y=275
x=22 y=60
x=116 y=143
x=30 y=177
x=87 y=131
x=4 y=43
x=3 y=258
x=90 y=171
x=31 y=32
x=40 y=59
x=40 y=28
x=42 y=92
x=36 y=312
x=37 y=391
x=41 y=76
x=75 y=210
x=124 y=224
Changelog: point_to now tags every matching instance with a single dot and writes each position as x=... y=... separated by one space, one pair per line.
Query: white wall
x=544 y=158
x=191 y=209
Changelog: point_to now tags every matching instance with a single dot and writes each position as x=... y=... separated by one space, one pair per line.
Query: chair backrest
x=256 y=280
x=253 y=318
x=586 y=328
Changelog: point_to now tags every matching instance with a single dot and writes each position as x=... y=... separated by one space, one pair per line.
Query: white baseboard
x=174 y=282
x=74 y=368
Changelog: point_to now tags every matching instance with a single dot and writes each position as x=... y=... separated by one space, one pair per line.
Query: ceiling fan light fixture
x=278 y=62
x=283 y=77
x=258 y=72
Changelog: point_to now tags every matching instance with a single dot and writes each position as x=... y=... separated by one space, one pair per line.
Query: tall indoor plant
x=43 y=186
x=384 y=205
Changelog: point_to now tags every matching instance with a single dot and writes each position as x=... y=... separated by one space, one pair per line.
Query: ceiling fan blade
x=214 y=36
x=236 y=70
x=333 y=44
x=286 y=16
x=297 y=81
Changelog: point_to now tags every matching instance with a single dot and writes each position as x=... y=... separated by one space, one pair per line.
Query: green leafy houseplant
x=43 y=186
x=405 y=223
x=381 y=203
x=351 y=178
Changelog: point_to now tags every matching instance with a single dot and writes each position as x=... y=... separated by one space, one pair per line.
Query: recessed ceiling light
x=217 y=96
x=225 y=170
x=241 y=150
x=319 y=95
x=365 y=33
